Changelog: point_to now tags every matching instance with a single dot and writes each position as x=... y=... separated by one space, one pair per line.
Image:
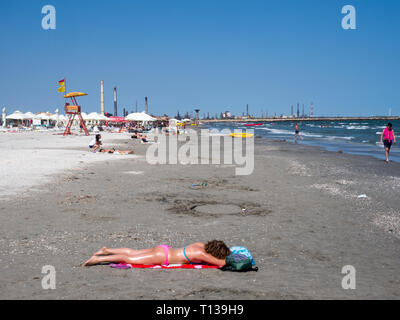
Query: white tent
x=92 y=116
x=55 y=117
x=84 y=116
x=101 y=117
x=17 y=115
x=43 y=116
x=139 y=116
x=28 y=116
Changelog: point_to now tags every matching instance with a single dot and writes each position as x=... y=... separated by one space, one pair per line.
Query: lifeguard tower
x=74 y=110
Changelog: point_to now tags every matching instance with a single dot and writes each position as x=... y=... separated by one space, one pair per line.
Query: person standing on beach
x=388 y=138
x=296 y=133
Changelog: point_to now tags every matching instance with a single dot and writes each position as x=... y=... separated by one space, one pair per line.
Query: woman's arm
x=382 y=136
x=208 y=258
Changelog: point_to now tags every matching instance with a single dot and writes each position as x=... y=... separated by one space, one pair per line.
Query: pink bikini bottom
x=166 y=248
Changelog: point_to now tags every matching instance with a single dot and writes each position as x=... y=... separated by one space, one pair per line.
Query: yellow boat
x=242 y=135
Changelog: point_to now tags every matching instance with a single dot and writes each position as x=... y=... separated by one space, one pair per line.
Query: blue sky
x=213 y=55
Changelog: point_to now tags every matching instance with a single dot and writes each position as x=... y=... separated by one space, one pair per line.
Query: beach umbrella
x=54 y=117
x=116 y=119
x=85 y=116
x=42 y=116
x=93 y=116
x=17 y=115
x=101 y=117
x=28 y=116
x=139 y=116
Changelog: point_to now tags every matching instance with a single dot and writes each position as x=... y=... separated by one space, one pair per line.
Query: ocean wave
x=357 y=127
x=305 y=134
x=338 y=137
x=278 y=131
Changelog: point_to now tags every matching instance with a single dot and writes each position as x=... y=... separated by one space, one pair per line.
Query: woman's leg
x=99 y=259
x=153 y=256
x=125 y=251
x=387 y=154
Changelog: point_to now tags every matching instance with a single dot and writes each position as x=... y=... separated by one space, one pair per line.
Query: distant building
x=227 y=115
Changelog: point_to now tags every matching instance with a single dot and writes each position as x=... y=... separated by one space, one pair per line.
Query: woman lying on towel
x=213 y=252
x=142 y=137
x=114 y=151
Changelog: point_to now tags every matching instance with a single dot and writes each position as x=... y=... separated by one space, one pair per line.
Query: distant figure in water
x=213 y=253
x=296 y=133
x=388 y=138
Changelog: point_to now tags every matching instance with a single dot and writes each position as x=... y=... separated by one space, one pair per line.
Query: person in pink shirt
x=387 y=138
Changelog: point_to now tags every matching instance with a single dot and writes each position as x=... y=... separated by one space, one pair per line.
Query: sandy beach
x=304 y=222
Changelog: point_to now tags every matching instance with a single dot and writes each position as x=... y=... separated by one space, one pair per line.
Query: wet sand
x=304 y=223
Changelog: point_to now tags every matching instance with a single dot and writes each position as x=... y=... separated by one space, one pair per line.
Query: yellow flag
x=61 y=89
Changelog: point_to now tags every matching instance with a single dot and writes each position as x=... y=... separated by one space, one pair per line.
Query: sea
x=354 y=137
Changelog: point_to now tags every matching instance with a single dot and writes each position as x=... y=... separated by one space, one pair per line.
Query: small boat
x=242 y=135
x=253 y=124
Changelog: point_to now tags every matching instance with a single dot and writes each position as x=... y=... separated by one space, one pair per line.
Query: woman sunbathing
x=96 y=143
x=213 y=252
x=142 y=137
x=114 y=151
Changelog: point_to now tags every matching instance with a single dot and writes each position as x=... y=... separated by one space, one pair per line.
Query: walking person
x=296 y=133
x=388 y=138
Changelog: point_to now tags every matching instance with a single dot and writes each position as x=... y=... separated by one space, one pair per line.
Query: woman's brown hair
x=217 y=249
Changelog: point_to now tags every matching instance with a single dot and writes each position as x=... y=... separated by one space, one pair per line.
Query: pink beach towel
x=158 y=266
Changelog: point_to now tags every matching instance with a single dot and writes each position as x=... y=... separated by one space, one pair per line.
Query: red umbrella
x=117 y=119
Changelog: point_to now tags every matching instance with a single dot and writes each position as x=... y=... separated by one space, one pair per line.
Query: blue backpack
x=244 y=251
x=238 y=262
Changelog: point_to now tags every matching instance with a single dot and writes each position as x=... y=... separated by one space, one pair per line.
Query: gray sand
x=304 y=223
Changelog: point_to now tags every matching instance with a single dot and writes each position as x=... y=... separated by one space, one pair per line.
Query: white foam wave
x=337 y=137
x=357 y=127
x=311 y=135
x=278 y=131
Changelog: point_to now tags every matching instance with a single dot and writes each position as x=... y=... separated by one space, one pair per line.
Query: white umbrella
x=55 y=117
x=139 y=116
x=17 y=115
x=28 y=116
x=42 y=116
x=101 y=117
x=92 y=116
